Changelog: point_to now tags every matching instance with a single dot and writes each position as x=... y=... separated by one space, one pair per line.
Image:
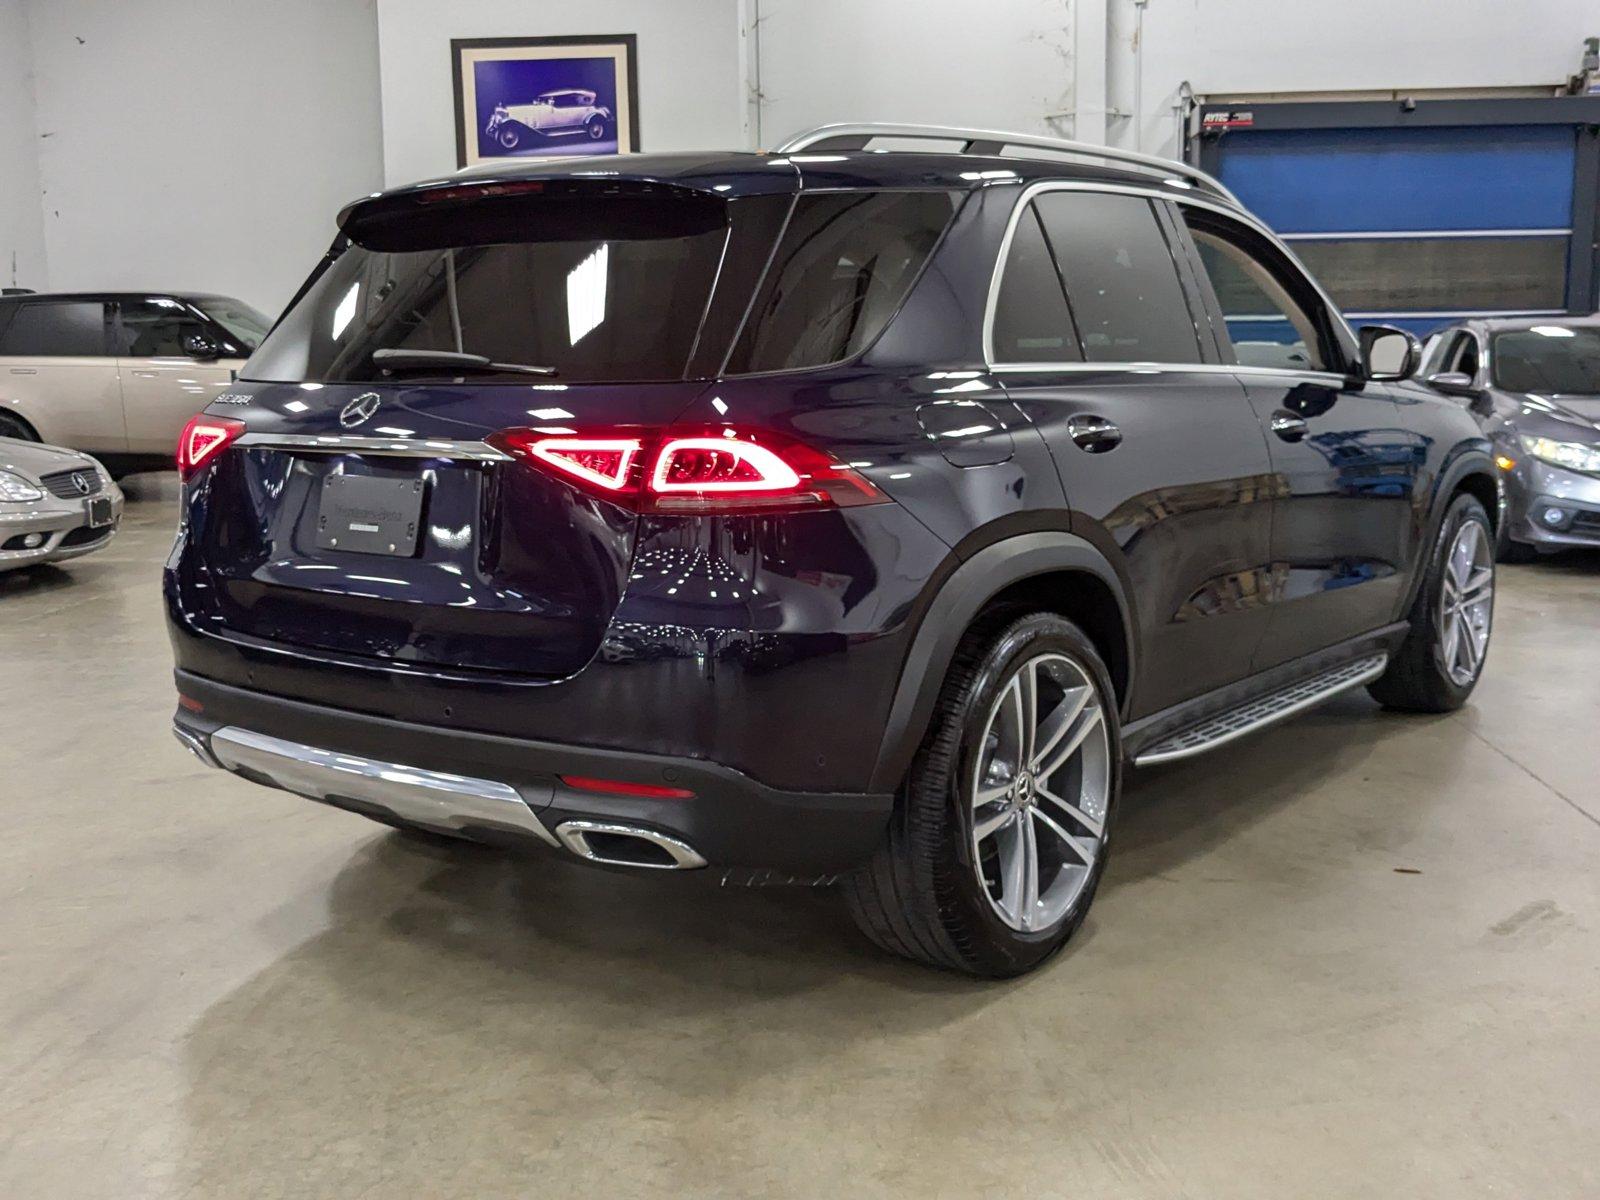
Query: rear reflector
x=203 y=438
x=619 y=787
x=190 y=704
x=720 y=469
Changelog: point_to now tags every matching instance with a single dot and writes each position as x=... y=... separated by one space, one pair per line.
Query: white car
x=565 y=112
x=118 y=374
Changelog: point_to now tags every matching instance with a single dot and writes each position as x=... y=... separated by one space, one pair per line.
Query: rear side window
x=840 y=272
x=593 y=288
x=57 y=329
x=1121 y=279
x=1031 y=320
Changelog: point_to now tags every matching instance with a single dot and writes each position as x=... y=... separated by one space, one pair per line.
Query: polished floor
x=1356 y=956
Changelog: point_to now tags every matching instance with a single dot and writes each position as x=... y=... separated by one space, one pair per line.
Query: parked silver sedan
x=55 y=504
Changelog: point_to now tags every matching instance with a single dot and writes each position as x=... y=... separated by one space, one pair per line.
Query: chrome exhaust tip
x=627 y=846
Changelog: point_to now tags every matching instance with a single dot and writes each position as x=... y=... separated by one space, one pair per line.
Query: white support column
x=1090 y=29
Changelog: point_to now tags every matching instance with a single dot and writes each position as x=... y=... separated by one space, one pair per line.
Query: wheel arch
x=1040 y=571
x=1470 y=470
x=17 y=416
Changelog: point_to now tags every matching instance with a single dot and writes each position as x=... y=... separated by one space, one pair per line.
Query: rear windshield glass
x=841 y=270
x=1547 y=358
x=589 y=289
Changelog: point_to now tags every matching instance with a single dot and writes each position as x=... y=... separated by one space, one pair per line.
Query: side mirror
x=1387 y=353
x=1453 y=383
x=199 y=345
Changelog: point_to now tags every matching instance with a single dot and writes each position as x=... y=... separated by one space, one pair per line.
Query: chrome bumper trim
x=392 y=447
x=429 y=798
x=195 y=745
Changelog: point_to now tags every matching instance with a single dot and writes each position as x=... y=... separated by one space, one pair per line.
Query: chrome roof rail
x=993 y=142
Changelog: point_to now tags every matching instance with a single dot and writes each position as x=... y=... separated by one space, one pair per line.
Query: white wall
x=690 y=86
x=1011 y=64
x=201 y=146
x=22 y=258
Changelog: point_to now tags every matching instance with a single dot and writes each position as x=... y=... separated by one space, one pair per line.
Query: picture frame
x=532 y=97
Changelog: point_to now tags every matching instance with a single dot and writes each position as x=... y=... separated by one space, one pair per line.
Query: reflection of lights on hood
x=346 y=311
x=971 y=385
x=1552 y=331
x=586 y=294
x=550 y=414
x=296 y=406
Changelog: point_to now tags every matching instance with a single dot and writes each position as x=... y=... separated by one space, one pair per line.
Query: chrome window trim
x=1061 y=185
x=1161 y=368
x=392 y=447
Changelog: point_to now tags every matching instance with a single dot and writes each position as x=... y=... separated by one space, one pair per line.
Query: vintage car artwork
x=564 y=112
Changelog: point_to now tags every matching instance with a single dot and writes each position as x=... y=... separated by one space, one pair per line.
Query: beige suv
x=117 y=374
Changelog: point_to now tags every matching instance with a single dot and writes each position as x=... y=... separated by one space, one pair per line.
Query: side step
x=1258 y=714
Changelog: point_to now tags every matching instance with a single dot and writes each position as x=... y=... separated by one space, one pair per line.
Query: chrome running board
x=1258 y=714
x=431 y=799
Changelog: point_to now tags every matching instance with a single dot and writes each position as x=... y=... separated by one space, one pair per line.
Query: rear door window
x=57 y=328
x=1032 y=323
x=1121 y=279
x=841 y=270
x=594 y=288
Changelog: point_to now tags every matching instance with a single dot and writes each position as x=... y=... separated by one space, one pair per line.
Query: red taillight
x=620 y=787
x=203 y=439
x=720 y=469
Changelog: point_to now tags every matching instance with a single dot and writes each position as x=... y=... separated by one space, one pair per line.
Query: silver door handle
x=24 y=370
x=148 y=374
x=1288 y=426
x=1092 y=433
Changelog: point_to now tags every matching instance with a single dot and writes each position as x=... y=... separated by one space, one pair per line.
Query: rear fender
x=957 y=604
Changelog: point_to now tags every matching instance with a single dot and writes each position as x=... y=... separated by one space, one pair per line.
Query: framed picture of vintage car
x=534 y=96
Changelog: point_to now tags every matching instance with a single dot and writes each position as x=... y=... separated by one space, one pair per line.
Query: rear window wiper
x=451 y=360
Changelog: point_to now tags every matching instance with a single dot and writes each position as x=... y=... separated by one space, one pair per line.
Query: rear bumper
x=497 y=788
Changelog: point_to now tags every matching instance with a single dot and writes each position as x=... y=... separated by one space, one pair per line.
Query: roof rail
x=993 y=142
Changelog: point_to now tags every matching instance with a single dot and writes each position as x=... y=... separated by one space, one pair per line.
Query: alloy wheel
x=1466 y=604
x=1040 y=791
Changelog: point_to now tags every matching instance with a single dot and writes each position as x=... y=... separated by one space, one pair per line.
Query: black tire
x=509 y=137
x=16 y=427
x=920 y=896
x=1416 y=681
x=596 y=127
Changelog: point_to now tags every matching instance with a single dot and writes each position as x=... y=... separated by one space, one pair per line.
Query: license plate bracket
x=100 y=512
x=369 y=514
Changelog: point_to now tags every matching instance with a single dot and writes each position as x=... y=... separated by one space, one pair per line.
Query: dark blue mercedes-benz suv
x=850 y=512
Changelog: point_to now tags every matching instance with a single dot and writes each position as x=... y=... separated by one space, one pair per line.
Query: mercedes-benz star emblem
x=360 y=409
x=82 y=484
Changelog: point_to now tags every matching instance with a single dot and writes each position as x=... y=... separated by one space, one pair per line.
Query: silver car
x=55 y=504
x=1533 y=383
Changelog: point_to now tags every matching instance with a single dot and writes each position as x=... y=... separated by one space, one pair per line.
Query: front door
x=1162 y=458
x=1345 y=469
x=162 y=386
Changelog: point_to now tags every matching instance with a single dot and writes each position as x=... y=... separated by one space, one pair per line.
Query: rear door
x=1162 y=458
x=1345 y=466
x=162 y=385
x=57 y=373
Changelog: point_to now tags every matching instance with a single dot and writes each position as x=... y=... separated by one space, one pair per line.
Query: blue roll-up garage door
x=1418 y=226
